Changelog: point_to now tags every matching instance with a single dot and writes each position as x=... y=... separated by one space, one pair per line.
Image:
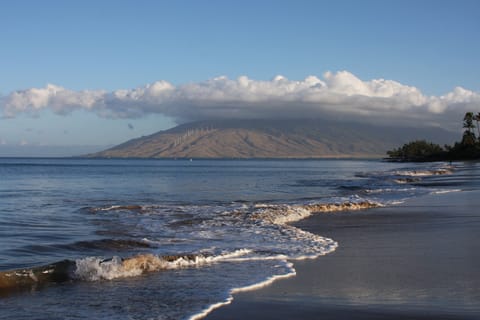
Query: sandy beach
x=416 y=260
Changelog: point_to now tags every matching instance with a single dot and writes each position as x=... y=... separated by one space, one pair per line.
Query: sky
x=97 y=73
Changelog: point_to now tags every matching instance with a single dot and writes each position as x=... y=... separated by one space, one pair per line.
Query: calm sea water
x=158 y=239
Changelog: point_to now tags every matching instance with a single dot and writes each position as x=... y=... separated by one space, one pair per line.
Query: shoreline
x=417 y=260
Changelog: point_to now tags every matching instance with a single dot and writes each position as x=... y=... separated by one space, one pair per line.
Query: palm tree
x=468 y=121
x=468 y=136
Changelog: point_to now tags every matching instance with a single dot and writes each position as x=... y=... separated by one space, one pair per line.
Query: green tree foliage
x=468 y=138
x=417 y=150
x=421 y=150
x=468 y=121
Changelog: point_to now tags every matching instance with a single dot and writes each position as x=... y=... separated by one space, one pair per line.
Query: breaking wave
x=30 y=277
x=271 y=238
x=259 y=220
x=94 y=268
x=283 y=214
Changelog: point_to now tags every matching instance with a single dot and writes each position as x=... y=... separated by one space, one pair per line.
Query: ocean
x=174 y=239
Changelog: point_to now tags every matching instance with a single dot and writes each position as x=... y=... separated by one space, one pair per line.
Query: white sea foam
x=342 y=206
x=132 y=207
x=268 y=281
x=202 y=314
x=445 y=191
x=250 y=287
x=283 y=214
x=389 y=190
x=406 y=180
x=211 y=233
x=424 y=173
x=95 y=268
x=280 y=214
x=396 y=202
x=263 y=228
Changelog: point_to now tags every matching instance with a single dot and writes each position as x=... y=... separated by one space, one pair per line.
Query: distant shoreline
x=377 y=157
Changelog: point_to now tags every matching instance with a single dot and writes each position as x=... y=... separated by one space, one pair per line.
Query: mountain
x=273 y=139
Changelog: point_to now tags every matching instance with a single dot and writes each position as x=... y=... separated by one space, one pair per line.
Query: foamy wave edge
x=284 y=214
x=445 y=191
x=202 y=314
x=95 y=268
x=425 y=173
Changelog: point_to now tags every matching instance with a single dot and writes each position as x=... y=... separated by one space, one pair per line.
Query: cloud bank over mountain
x=336 y=95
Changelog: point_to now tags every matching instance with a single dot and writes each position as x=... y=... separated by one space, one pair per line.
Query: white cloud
x=339 y=94
x=59 y=99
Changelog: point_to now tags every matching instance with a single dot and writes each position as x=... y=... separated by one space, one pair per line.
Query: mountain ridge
x=311 y=138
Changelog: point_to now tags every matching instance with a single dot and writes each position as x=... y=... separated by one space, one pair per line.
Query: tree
x=419 y=150
x=468 y=121
x=468 y=136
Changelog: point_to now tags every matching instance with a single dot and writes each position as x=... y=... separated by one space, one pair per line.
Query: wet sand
x=418 y=260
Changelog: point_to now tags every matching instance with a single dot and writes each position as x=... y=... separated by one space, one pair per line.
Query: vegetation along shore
x=421 y=150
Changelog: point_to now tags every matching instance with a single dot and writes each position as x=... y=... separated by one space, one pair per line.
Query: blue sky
x=111 y=45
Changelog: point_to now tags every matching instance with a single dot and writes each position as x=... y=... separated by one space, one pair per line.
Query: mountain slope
x=273 y=139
